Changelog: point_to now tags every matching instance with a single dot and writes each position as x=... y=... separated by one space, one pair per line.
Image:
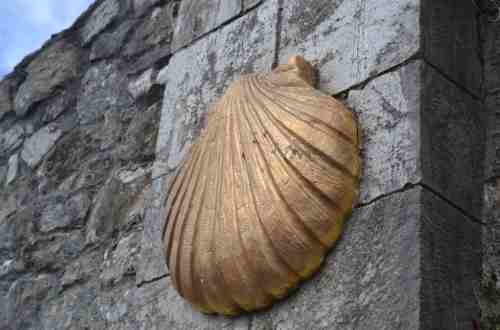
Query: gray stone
x=66 y=213
x=491 y=55
x=53 y=67
x=152 y=263
x=122 y=261
x=197 y=17
x=492 y=109
x=350 y=41
x=101 y=17
x=388 y=112
x=11 y=139
x=248 y=4
x=198 y=75
x=155 y=30
x=5 y=98
x=58 y=105
x=13 y=170
x=103 y=90
x=101 y=223
x=452 y=142
x=141 y=6
x=451 y=40
x=158 y=306
x=491 y=229
x=3 y=174
x=38 y=145
x=374 y=277
x=109 y=44
x=82 y=269
x=142 y=84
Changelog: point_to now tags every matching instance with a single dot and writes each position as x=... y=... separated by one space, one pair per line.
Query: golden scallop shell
x=263 y=194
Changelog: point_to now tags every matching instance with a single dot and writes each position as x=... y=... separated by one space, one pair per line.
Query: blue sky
x=26 y=24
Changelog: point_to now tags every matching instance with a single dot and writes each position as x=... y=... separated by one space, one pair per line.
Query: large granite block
x=388 y=112
x=350 y=41
x=391 y=270
x=54 y=66
x=197 y=17
x=451 y=39
x=101 y=17
x=198 y=75
x=452 y=141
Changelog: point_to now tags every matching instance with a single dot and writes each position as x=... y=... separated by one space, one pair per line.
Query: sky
x=26 y=24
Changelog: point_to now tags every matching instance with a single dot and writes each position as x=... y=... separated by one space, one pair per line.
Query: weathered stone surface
x=452 y=41
x=198 y=75
x=65 y=213
x=491 y=54
x=54 y=66
x=5 y=98
x=152 y=263
x=122 y=261
x=197 y=17
x=373 y=277
x=82 y=269
x=350 y=40
x=13 y=169
x=103 y=90
x=247 y=4
x=155 y=30
x=452 y=142
x=450 y=262
x=388 y=114
x=11 y=139
x=38 y=145
x=101 y=17
x=142 y=84
x=141 y=6
x=56 y=106
x=108 y=44
x=491 y=229
x=492 y=110
x=158 y=306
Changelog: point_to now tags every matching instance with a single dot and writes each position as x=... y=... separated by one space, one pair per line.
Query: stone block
x=452 y=142
x=5 y=97
x=374 y=277
x=11 y=139
x=121 y=261
x=198 y=75
x=491 y=55
x=108 y=44
x=53 y=67
x=64 y=214
x=142 y=84
x=155 y=30
x=491 y=229
x=197 y=17
x=141 y=6
x=451 y=39
x=492 y=110
x=152 y=263
x=104 y=89
x=248 y=4
x=39 y=144
x=13 y=169
x=350 y=41
x=388 y=112
x=100 y=18
x=158 y=306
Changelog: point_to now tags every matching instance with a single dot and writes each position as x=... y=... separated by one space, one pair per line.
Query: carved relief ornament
x=263 y=194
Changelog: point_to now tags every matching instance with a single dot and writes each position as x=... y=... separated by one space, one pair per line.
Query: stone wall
x=95 y=124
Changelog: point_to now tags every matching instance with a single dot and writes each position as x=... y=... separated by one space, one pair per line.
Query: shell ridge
x=172 y=200
x=280 y=266
x=320 y=152
x=282 y=108
x=219 y=225
x=294 y=174
x=242 y=263
x=256 y=210
x=308 y=238
x=314 y=122
x=184 y=208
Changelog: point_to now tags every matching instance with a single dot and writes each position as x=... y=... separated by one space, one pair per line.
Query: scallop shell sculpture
x=263 y=194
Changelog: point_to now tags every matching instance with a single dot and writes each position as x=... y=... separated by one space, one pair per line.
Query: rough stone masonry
x=94 y=125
